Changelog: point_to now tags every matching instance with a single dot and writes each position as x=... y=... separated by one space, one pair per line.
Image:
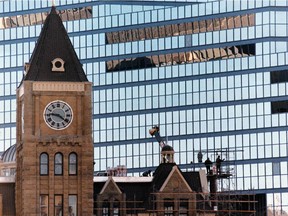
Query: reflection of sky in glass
x=224 y=104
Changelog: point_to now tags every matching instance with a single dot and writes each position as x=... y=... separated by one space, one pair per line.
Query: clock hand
x=58 y=115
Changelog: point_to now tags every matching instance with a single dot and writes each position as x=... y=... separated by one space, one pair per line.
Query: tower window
x=58 y=164
x=58 y=202
x=44 y=204
x=58 y=65
x=44 y=164
x=72 y=205
x=73 y=164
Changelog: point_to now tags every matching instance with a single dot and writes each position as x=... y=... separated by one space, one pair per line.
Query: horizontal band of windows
x=193 y=136
x=191 y=76
x=39 y=18
x=195 y=27
x=230 y=162
x=204 y=120
x=44 y=6
x=179 y=128
x=103 y=30
x=196 y=77
x=13 y=10
x=190 y=107
x=123 y=24
x=98 y=40
x=181 y=58
x=185 y=49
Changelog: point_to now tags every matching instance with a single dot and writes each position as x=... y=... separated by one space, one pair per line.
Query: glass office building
x=212 y=74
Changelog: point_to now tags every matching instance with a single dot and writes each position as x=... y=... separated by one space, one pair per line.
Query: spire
x=54 y=58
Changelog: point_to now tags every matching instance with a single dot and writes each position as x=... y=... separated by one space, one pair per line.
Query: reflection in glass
x=58 y=202
x=72 y=209
x=58 y=164
x=72 y=164
x=44 y=164
x=44 y=205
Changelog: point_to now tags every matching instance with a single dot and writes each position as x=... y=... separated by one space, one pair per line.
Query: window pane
x=183 y=208
x=58 y=164
x=58 y=202
x=72 y=164
x=44 y=205
x=44 y=164
x=72 y=205
x=105 y=208
x=116 y=208
x=168 y=207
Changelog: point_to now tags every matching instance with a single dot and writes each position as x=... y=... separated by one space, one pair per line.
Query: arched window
x=58 y=164
x=44 y=164
x=73 y=164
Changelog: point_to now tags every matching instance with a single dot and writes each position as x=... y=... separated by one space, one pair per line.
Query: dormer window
x=58 y=65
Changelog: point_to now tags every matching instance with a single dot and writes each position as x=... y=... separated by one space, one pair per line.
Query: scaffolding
x=225 y=204
x=226 y=180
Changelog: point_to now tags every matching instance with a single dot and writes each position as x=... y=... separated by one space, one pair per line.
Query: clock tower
x=54 y=129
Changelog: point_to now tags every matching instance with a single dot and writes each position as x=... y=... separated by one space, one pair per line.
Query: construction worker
x=147 y=173
x=218 y=164
x=208 y=164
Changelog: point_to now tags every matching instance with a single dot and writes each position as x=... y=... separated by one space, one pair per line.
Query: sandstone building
x=54 y=174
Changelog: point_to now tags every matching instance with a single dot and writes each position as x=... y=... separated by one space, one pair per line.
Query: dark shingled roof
x=193 y=179
x=98 y=187
x=164 y=169
x=167 y=148
x=161 y=174
x=53 y=43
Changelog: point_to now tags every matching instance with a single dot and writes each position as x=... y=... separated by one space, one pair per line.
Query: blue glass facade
x=213 y=75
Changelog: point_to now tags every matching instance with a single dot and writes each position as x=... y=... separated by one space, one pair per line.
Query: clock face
x=58 y=115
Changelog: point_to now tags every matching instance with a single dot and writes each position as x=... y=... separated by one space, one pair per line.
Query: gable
x=175 y=182
x=110 y=187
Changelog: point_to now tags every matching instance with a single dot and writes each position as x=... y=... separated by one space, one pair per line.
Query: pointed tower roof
x=54 y=58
